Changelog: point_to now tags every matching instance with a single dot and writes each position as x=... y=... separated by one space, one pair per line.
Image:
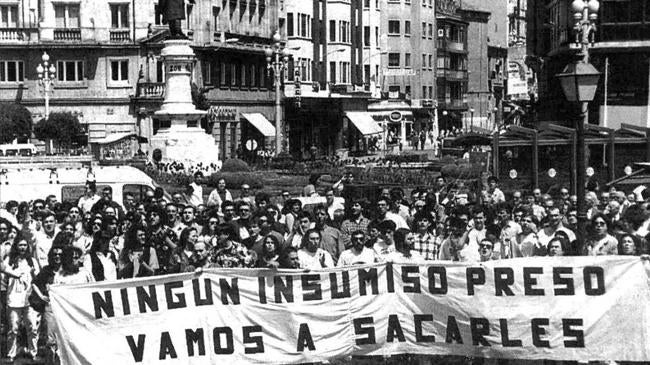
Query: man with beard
x=358 y=254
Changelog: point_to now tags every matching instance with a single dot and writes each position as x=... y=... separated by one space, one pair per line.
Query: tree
x=63 y=128
x=15 y=122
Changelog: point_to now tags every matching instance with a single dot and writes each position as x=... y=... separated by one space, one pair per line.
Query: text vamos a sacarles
x=315 y=286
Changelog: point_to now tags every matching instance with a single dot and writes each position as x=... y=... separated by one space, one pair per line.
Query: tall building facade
x=521 y=87
x=108 y=67
x=325 y=77
x=620 y=53
x=229 y=39
x=452 y=64
x=407 y=43
x=487 y=60
x=93 y=46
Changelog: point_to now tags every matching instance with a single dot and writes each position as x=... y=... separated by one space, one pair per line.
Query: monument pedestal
x=180 y=143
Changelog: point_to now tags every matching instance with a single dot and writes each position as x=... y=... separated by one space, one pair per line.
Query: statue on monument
x=173 y=11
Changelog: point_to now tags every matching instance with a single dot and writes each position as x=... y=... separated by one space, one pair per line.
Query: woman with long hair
x=71 y=268
x=181 y=256
x=137 y=253
x=20 y=269
x=137 y=257
x=41 y=286
x=270 y=257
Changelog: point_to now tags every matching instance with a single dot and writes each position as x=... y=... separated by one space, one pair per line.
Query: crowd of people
x=46 y=242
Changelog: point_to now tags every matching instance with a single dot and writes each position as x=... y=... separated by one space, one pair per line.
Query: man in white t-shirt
x=470 y=252
x=358 y=253
x=554 y=224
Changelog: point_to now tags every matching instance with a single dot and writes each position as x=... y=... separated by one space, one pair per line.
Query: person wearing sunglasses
x=600 y=241
x=485 y=249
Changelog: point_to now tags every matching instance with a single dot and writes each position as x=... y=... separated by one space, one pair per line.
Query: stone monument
x=184 y=140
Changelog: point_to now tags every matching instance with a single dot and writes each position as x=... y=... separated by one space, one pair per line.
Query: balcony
x=67 y=35
x=150 y=90
x=450 y=45
x=16 y=34
x=452 y=74
x=120 y=35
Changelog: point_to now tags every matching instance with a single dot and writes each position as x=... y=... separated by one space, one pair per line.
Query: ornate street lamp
x=277 y=59
x=46 y=76
x=579 y=82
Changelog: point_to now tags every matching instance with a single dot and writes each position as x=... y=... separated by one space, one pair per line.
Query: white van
x=68 y=184
x=17 y=149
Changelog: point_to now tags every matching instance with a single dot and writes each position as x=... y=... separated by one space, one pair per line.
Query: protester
x=311 y=255
x=358 y=253
x=21 y=268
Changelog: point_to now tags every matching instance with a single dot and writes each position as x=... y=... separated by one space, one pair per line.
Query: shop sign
x=395 y=116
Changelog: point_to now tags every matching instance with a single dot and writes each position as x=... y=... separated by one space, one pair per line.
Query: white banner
x=580 y=308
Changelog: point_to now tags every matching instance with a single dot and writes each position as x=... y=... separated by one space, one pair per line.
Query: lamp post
x=277 y=59
x=46 y=75
x=579 y=82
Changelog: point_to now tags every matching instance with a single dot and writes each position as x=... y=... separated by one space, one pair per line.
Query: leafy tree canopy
x=61 y=127
x=15 y=122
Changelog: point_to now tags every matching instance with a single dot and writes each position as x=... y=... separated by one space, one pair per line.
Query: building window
x=424 y=62
x=66 y=16
x=430 y=92
x=243 y=80
x=157 y=15
x=424 y=30
x=303 y=25
x=366 y=36
x=12 y=71
x=377 y=36
x=424 y=92
x=430 y=31
x=333 y=72
x=233 y=74
x=393 y=27
x=188 y=17
x=407 y=60
x=332 y=30
x=222 y=74
x=254 y=80
x=289 y=24
x=393 y=60
x=8 y=16
x=207 y=73
x=70 y=71
x=430 y=62
x=407 y=28
x=345 y=32
x=216 y=11
x=366 y=3
x=119 y=71
x=119 y=15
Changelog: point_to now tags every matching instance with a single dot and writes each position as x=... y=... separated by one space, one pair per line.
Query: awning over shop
x=364 y=123
x=115 y=137
x=260 y=122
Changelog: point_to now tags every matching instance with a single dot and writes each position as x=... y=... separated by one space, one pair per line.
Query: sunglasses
x=357 y=238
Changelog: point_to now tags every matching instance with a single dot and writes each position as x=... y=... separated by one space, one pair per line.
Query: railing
x=456 y=103
x=67 y=34
x=451 y=74
x=120 y=35
x=457 y=46
x=150 y=89
x=14 y=34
